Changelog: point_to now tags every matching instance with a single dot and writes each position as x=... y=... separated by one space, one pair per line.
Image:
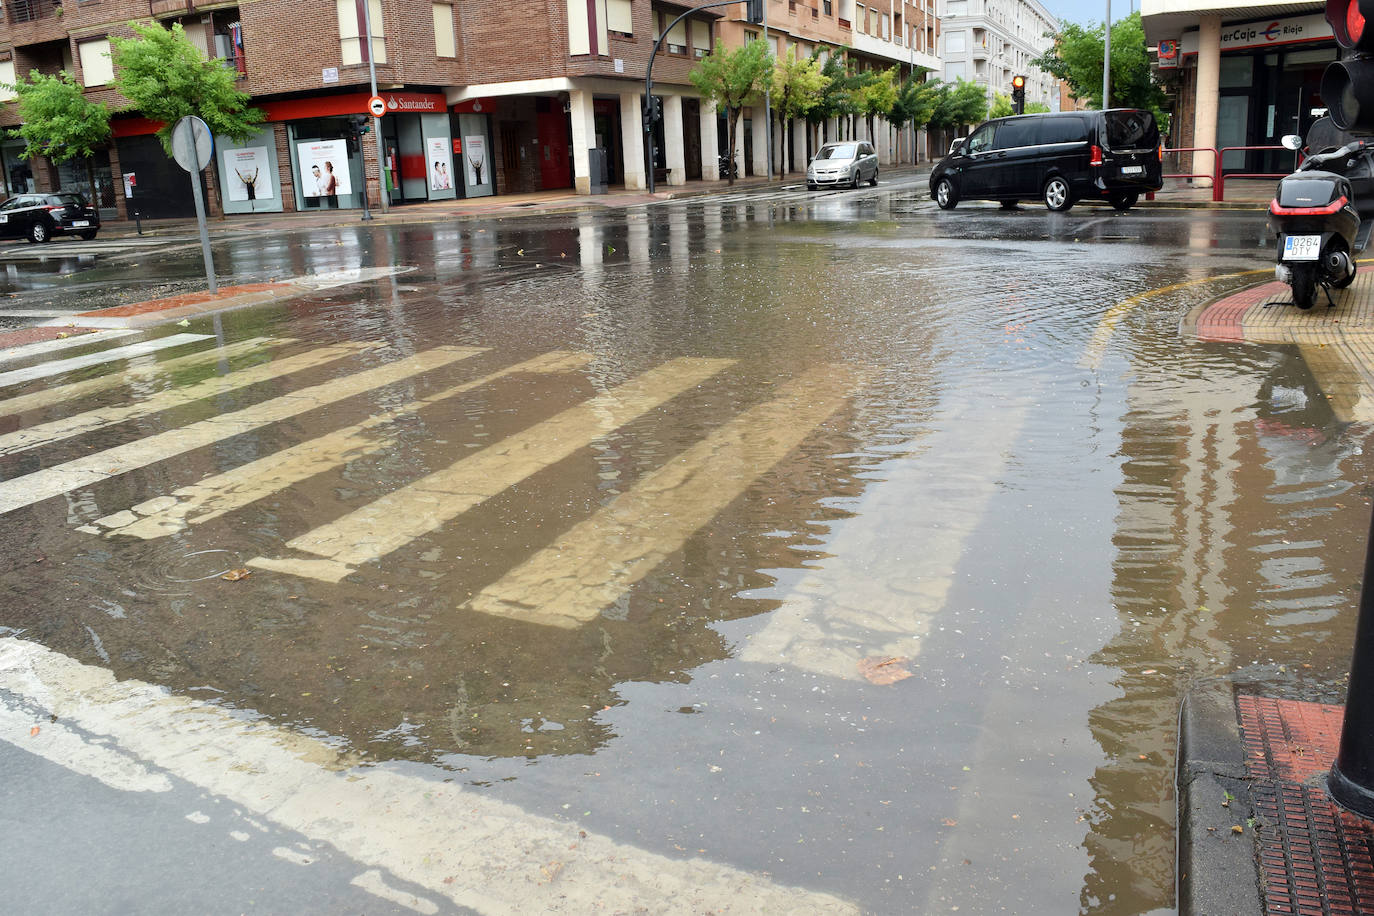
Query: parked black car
x=1061 y=158
x=40 y=217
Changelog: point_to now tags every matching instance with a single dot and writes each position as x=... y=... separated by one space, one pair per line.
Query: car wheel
x=88 y=234
x=38 y=232
x=945 y=194
x=854 y=179
x=1057 y=194
x=1123 y=201
x=873 y=182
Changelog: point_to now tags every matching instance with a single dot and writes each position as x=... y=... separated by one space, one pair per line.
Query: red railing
x=1217 y=175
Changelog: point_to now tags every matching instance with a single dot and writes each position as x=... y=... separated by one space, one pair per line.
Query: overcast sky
x=1089 y=12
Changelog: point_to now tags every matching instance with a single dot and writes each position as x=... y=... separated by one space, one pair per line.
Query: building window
x=676 y=42
x=445 y=44
x=353 y=34
x=954 y=43
x=826 y=7
x=701 y=39
x=96 y=67
x=860 y=18
x=954 y=70
x=7 y=93
x=618 y=18
x=750 y=35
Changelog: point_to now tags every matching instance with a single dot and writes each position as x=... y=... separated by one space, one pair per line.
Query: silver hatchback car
x=845 y=163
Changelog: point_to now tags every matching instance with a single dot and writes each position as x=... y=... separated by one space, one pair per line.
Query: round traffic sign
x=192 y=143
x=376 y=105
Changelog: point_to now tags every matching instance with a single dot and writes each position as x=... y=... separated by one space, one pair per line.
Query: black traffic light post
x=1347 y=89
x=1018 y=94
x=652 y=110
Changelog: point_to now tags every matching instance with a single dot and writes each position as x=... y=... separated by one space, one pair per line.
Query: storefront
x=1266 y=72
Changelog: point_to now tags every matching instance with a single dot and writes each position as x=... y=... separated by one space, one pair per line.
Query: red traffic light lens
x=1347 y=22
x=1019 y=81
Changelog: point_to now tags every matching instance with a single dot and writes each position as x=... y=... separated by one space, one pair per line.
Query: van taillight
x=1096 y=155
x=1161 y=152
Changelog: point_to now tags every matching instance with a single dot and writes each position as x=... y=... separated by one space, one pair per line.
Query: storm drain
x=1315 y=859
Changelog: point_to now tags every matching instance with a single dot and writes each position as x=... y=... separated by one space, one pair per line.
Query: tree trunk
x=90 y=176
x=732 y=120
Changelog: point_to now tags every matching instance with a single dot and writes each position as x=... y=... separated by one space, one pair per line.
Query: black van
x=1062 y=158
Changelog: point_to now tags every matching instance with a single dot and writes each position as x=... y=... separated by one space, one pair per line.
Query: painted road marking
x=396 y=519
x=133 y=374
x=78 y=339
x=457 y=844
x=214 y=496
x=58 y=744
x=101 y=417
x=90 y=469
x=1097 y=348
x=875 y=595
x=595 y=562
x=57 y=367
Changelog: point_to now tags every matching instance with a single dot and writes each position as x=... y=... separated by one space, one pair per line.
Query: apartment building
x=990 y=41
x=480 y=100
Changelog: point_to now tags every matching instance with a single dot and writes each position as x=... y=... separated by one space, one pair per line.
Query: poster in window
x=437 y=163
x=248 y=173
x=324 y=168
x=476 y=158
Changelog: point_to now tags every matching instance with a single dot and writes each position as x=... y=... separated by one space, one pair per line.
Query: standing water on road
x=859 y=548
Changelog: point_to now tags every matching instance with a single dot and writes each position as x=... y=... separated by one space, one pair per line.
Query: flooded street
x=826 y=552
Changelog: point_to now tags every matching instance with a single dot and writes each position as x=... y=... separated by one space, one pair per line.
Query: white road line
x=590 y=566
x=214 y=496
x=60 y=745
x=132 y=375
x=90 y=469
x=57 y=367
x=101 y=417
x=398 y=518
x=79 y=339
x=372 y=882
x=458 y=845
x=876 y=595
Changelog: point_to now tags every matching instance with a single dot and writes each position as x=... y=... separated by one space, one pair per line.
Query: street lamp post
x=649 y=89
x=1107 y=60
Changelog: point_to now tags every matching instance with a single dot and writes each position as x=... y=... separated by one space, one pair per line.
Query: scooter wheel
x=1304 y=287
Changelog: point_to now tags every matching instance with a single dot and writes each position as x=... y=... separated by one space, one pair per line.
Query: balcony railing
x=32 y=10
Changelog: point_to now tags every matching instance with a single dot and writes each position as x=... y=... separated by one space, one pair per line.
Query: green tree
x=960 y=104
x=1037 y=108
x=1076 y=57
x=915 y=101
x=1001 y=106
x=59 y=122
x=797 y=87
x=834 y=100
x=875 y=95
x=731 y=78
x=167 y=78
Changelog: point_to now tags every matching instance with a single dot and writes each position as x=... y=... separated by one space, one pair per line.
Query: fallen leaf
x=884 y=670
x=33 y=732
x=184 y=323
x=949 y=822
x=235 y=575
x=520 y=251
x=1237 y=829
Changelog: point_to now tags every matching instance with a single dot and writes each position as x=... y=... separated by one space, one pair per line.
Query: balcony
x=35 y=21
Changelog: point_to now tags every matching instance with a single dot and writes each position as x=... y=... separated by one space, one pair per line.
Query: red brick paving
x=23 y=336
x=172 y=302
x=1314 y=858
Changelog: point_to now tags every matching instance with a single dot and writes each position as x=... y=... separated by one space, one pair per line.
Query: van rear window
x=1128 y=130
x=1063 y=130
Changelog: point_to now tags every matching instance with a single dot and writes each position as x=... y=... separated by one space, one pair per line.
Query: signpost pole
x=376 y=121
x=192 y=146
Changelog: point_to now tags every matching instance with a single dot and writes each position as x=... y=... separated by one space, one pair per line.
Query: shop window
x=96 y=67
x=445 y=44
x=1237 y=72
x=618 y=18
x=353 y=44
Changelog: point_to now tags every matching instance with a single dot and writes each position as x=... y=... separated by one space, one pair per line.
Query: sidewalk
x=1247 y=194
x=1257 y=833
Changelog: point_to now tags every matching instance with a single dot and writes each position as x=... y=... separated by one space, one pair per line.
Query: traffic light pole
x=1107 y=60
x=649 y=90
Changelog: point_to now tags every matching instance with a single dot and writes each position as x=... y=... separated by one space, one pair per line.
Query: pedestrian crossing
x=565 y=583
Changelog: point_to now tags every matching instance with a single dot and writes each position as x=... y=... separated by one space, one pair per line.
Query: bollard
x=138 y=220
x=1351 y=780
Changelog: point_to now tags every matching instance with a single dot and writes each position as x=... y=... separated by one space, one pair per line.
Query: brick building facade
x=480 y=100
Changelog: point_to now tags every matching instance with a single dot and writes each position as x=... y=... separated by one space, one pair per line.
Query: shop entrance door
x=554 y=168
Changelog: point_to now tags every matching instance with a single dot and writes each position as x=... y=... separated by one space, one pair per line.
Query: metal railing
x=1218 y=174
x=32 y=10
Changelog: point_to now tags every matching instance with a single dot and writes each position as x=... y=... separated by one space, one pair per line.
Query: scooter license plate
x=1301 y=247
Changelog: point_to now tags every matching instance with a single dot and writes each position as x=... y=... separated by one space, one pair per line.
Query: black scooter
x=1322 y=214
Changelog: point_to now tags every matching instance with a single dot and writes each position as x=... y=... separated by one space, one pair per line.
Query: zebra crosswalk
x=565 y=583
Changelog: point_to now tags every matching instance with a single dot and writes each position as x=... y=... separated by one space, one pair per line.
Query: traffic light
x=1347 y=86
x=755 y=11
x=1018 y=94
x=652 y=111
x=361 y=124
